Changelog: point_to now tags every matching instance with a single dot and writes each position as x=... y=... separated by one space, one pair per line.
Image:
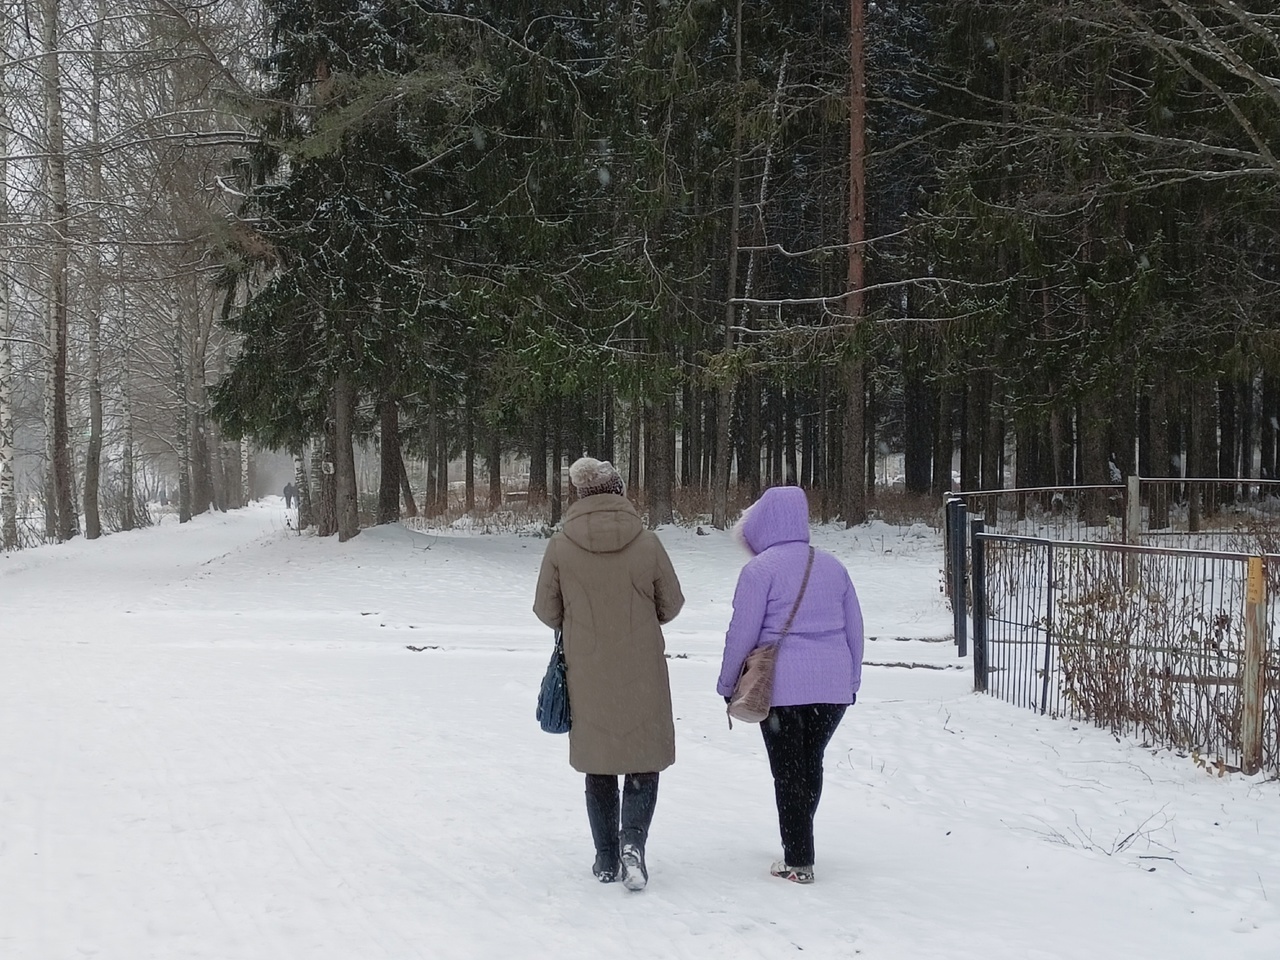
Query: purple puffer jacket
x=821 y=658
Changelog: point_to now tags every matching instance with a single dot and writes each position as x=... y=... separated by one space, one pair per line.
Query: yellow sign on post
x=1254 y=591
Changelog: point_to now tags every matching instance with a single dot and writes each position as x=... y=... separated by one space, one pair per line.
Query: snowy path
x=214 y=743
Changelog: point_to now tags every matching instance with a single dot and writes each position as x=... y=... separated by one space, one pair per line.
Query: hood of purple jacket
x=781 y=515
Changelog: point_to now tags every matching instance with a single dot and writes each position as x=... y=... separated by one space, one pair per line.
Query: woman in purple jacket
x=819 y=666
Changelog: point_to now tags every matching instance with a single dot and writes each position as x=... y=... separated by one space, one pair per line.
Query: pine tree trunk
x=660 y=466
x=431 y=496
x=1267 y=428
x=993 y=438
x=348 y=503
x=808 y=443
x=608 y=449
x=1093 y=420
x=1227 y=437
x=749 y=467
x=1197 y=454
x=688 y=447
x=538 y=455
x=494 y=464
x=917 y=442
x=390 y=465
x=853 y=493
x=870 y=431
x=469 y=457
x=1207 y=430
x=971 y=436
x=323 y=472
x=791 y=438
x=406 y=491
x=442 y=467
x=724 y=390
x=778 y=458
x=834 y=457
x=1247 y=422
x=430 y=502
x=557 y=443
x=1158 y=442
x=1058 y=449
x=635 y=437
x=944 y=444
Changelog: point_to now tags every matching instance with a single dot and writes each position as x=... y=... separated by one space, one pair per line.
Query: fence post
x=979 y=582
x=1252 y=679
x=958 y=603
x=1132 y=528
x=1048 y=631
x=948 y=518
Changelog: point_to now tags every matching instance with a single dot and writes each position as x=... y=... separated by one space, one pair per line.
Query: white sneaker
x=784 y=870
x=634 y=874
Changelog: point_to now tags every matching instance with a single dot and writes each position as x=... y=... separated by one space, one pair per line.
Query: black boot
x=602 y=812
x=639 y=798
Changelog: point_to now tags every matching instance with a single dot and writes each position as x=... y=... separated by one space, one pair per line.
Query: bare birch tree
x=8 y=491
x=59 y=228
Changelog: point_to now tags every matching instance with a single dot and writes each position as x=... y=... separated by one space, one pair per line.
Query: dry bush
x=904 y=509
x=1149 y=656
x=691 y=506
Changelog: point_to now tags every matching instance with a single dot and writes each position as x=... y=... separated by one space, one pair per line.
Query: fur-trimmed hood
x=781 y=515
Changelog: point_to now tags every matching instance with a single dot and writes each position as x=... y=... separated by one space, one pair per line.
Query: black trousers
x=613 y=823
x=795 y=739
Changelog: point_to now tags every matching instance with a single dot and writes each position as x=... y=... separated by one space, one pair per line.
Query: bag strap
x=786 y=628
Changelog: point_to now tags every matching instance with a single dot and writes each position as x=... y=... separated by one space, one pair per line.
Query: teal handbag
x=553 y=698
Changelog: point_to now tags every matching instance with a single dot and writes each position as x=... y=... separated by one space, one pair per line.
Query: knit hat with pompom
x=590 y=476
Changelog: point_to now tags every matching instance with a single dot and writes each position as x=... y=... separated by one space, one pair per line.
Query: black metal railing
x=1154 y=642
x=1057 y=513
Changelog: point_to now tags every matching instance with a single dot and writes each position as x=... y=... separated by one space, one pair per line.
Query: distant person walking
x=608 y=584
x=819 y=666
x=290 y=494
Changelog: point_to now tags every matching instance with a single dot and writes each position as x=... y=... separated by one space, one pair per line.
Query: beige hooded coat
x=609 y=585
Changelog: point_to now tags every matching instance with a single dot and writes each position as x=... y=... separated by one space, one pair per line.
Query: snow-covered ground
x=216 y=742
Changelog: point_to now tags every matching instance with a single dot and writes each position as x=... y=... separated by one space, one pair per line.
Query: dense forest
x=728 y=244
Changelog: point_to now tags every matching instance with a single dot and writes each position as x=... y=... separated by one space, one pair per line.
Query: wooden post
x=1252 y=677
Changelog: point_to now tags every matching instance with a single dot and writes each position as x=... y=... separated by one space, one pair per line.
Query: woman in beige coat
x=608 y=584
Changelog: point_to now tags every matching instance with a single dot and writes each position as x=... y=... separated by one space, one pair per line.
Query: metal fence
x=1176 y=647
x=1221 y=508
x=1059 y=513
x=1232 y=515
